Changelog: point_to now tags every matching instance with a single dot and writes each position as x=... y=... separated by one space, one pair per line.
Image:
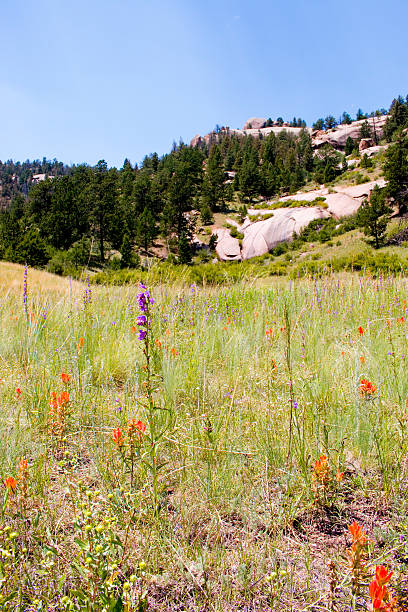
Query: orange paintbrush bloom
x=117 y=436
x=358 y=534
x=382 y=575
x=367 y=388
x=63 y=398
x=10 y=483
x=23 y=465
x=18 y=392
x=80 y=344
x=360 y=330
x=65 y=378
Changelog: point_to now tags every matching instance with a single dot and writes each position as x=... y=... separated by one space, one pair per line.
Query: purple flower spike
x=141 y=320
x=142 y=334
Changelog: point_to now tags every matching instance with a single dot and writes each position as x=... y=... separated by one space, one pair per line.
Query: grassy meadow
x=217 y=463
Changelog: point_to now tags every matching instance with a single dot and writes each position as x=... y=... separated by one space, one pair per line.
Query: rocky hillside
x=276 y=221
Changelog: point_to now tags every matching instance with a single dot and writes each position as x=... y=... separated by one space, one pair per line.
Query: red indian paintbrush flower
x=117 y=436
x=377 y=590
x=23 y=464
x=360 y=330
x=367 y=388
x=65 y=378
x=358 y=534
x=10 y=483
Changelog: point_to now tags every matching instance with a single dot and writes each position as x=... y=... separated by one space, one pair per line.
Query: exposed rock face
x=197 y=140
x=337 y=136
x=255 y=123
x=263 y=235
x=366 y=143
x=227 y=248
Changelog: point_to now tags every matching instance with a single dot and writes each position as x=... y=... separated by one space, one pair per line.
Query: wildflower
x=25 y=290
x=141 y=320
x=360 y=331
x=136 y=427
x=158 y=343
x=23 y=465
x=381 y=575
x=18 y=392
x=367 y=388
x=401 y=320
x=10 y=483
x=342 y=353
x=65 y=378
x=133 y=329
x=142 y=334
x=339 y=476
x=80 y=344
x=377 y=589
x=117 y=436
x=268 y=331
x=63 y=398
x=362 y=360
x=358 y=534
x=174 y=352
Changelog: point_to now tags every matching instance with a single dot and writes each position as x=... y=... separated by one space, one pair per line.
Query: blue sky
x=91 y=79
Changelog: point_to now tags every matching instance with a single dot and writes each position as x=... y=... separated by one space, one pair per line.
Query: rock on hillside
x=261 y=236
x=337 y=136
x=228 y=248
x=254 y=123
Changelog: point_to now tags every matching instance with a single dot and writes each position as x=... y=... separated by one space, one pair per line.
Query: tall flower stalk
x=25 y=291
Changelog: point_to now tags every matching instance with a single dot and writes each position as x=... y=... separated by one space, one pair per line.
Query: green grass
x=238 y=522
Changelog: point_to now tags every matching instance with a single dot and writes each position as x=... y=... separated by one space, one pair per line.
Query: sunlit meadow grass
x=252 y=385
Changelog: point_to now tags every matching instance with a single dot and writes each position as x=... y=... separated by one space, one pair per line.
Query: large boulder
x=262 y=236
x=366 y=143
x=227 y=248
x=254 y=123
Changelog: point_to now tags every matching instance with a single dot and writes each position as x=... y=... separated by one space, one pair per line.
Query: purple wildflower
x=25 y=291
x=142 y=334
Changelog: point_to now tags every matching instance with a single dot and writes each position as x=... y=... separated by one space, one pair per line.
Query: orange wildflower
x=18 y=392
x=158 y=343
x=367 y=388
x=117 y=436
x=174 y=352
x=269 y=331
x=133 y=329
x=401 y=320
x=339 y=476
x=362 y=359
x=23 y=465
x=80 y=344
x=63 y=398
x=358 y=534
x=10 y=483
x=377 y=589
x=360 y=330
x=65 y=378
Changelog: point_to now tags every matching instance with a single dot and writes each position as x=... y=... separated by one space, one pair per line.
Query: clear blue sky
x=91 y=79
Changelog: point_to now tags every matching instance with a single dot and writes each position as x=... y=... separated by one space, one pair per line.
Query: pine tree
x=349 y=147
x=213 y=189
x=396 y=173
x=373 y=217
x=184 y=249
